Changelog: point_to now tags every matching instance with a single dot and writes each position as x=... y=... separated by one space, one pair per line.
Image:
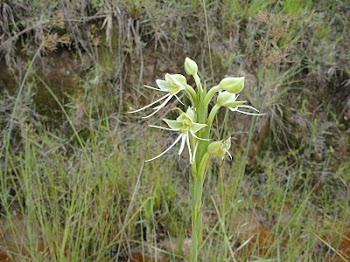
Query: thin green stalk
x=191 y=94
x=196 y=217
x=212 y=115
x=210 y=94
x=202 y=115
x=198 y=82
x=197 y=220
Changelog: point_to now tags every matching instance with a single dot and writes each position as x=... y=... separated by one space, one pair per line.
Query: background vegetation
x=73 y=183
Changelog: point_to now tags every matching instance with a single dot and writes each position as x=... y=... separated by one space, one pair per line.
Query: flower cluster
x=194 y=124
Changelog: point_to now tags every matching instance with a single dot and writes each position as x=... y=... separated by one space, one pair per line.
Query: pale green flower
x=173 y=84
x=220 y=148
x=186 y=125
x=228 y=84
x=191 y=67
x=228 y=99
x=232 y=84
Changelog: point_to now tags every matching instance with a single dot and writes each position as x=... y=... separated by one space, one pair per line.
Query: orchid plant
x=194 y=128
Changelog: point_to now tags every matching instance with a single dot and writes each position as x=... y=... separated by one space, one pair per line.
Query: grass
x=98 y=198
x=73 y=186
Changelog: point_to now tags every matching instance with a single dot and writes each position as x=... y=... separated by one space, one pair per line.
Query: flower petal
x=225 y=97
x=154 y=88
x=203 y=139
x=189 y=148
x=195 y=127
x=163 y=128
x=182 y=143
x=229 y=154
x=151 y=104
x=250 y=107
x=173 y=124
x=166 y=150
x=195 y=151
x=164 y=85
x=157 y=108
x=176 y=79
x=190 y=113
x=248 y=113
x=183 y=117
x=235 y=104
x=178 y=99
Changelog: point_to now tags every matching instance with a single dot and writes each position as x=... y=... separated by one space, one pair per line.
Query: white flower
x=187 y=127
x=173 y=84
x=228 y=99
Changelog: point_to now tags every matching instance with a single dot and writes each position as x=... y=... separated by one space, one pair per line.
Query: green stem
x=190 y=91
x=198 y=171
x=198 y=82
x=212 y=115
x=197 y=190
x=210 y=94
x=202 y=115
x=203 y=165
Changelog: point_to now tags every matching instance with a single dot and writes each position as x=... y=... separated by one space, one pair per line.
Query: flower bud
x=227 y=99
x=232 y=84
x=191 y=67
x=219 y=148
